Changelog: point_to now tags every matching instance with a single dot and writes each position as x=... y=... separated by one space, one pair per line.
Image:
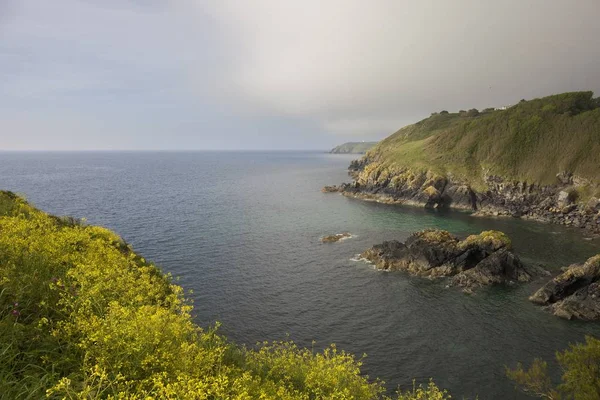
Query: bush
x=429 y=392
x=83 y=316
x=580 y=365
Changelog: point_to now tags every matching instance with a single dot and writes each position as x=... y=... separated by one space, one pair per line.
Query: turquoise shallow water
x=242 y=231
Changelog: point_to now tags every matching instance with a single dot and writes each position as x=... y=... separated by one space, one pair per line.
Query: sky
x=274 y=74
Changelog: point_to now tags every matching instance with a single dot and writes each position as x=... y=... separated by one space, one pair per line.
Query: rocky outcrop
x=558 y=203
x=331 y=189
x=336 y=238
x=478 y=260
x=575 y=293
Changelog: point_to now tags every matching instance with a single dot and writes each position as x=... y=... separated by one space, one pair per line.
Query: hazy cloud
x=275 y=74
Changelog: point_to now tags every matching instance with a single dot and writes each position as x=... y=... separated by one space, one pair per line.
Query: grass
x=353 y=147
x=531 y=141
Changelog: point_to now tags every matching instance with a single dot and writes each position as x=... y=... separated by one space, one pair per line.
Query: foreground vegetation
x=83 y=316
x=580 y=366
x=531 y=141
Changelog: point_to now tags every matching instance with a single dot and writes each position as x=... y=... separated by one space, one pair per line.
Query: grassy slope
x=531 y=141
x=83 y=316
x=353 y=147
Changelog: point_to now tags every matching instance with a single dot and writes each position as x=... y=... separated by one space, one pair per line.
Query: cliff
x=538 y=159
x=353 y=148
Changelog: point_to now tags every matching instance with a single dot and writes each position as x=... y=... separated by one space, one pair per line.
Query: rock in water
x=336 y=238
x=479 y=260
x=331 y=189
x=575 y=293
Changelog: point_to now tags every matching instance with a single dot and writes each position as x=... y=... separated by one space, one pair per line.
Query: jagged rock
x=592 y=206
x=460 y=195
x=564 y=199
x=500 y=267
x=575 y=293
x=395 y=184
x=478 y=260
x=564 y=177
x=331 y=189
x=336 y=238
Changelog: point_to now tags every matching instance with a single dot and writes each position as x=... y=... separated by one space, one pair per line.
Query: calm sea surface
x=242 y=231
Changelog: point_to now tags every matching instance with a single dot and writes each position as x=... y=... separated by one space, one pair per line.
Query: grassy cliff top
x=353 y=148
x=531 y=141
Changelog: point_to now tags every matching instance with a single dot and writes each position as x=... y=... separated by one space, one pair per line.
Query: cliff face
x=495 y=163
x=559 y=203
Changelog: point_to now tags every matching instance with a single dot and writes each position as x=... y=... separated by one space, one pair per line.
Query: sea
x=240 y=232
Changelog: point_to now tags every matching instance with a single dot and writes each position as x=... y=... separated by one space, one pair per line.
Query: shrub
x=83 y=316
x=473 y=112
x=580 y=365
x=429 y=392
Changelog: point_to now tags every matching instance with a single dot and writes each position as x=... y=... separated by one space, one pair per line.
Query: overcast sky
x=274 y=74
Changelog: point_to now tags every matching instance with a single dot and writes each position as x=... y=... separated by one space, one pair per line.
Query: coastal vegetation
x=530 y=141
x=353 y=148
x=538 y=159
x=580 y=380
x=83 y=316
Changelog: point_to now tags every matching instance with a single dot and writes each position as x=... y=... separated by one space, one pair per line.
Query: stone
x=478 y=260
x=574 y=293
x=336 y=238
x=331 y=189
x=564 y=199
x=564 y=177
x=592 y=206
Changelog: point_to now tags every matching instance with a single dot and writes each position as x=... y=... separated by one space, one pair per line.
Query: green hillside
x=531 y=141
x=353 y=148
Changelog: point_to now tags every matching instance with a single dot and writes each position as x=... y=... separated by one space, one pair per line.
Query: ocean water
x=241 y=230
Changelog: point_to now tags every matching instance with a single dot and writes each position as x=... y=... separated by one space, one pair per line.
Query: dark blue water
x=242 y=231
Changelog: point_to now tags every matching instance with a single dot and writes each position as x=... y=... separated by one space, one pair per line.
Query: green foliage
x=535 y=380
x=429 y=392
x=580 y=365
x=84 y=317
x=531 y=141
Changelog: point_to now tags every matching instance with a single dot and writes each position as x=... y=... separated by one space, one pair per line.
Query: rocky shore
x=560 y=203
x=575 y=293
x=478 y=260
x=487 y=259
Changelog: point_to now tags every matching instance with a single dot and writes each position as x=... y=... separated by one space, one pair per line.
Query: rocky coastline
x=574 y=293
x=560 y=203
x=487 y=259
x=477 y=261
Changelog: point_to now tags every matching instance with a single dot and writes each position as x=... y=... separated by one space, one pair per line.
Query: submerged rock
x=336 y=238
x=479 y=260
x=575 y=293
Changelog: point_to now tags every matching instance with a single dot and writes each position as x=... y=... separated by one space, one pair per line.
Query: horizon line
x=151 y=150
